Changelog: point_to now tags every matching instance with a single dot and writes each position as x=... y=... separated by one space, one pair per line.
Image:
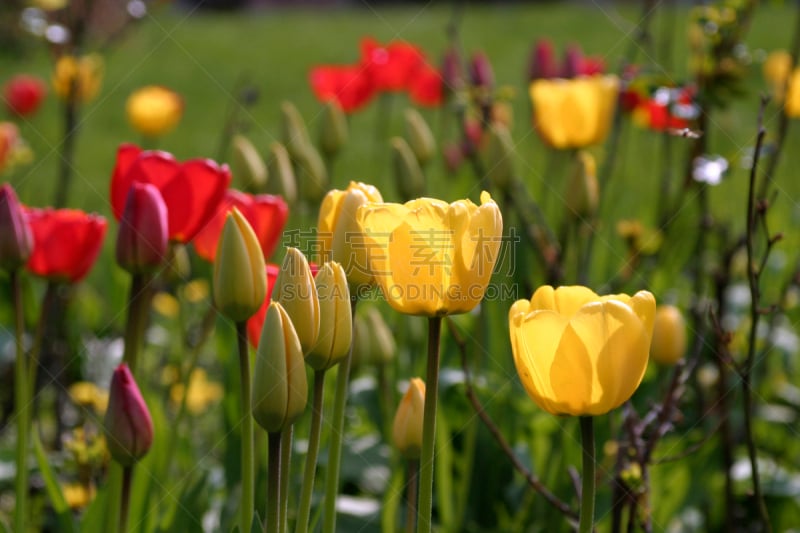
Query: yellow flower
x=154 y=110
x=338 y=234
x=431 y=258
x=669 y=335
x=78 y=495
x=240 y=286
x=407 y=426
x=202 y=392
x=578 y=353
x=791 y=105
x=335 y=318
x=574 y=113
x=87 y=394
x=777 y=68
x=78 y=78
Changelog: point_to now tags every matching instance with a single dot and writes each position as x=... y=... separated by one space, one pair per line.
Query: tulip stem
x=22 y=403
x=71 y=125
x=273 y=520
x=588 y=484
x=337 y=435
x=138 y=305
x=127 y=475
x=411 y=495
x=425 y=510
x=246 y=509
x=304 y=510
x=286 y=467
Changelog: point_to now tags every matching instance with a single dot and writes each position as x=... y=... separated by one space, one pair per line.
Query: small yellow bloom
x=166 y=304
x=78 y=495
x=335 y=318
x=78 y=79
x=777 y=68
x=154 y=110
x=574 y=113
x=429 y=257
x=240 y=286
x=202 y=392
x=87 y=394
x=196 y=290
x=297 y=293
x=578 y=353
x=669 y=335
x=407 y=426
x=338 y=234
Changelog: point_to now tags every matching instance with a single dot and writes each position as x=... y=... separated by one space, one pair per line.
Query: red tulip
x=142 y=238
x=266 y=214
x=256 y=322
x=573 y=61
x=16 y=238
x=128 y=425
x=66 y=242
x=23 y=94
x=392 y=67
x=427 y=87
x=543 y=61
x=349 y=85
x=192 y=190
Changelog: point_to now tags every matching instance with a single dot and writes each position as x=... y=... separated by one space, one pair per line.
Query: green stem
x=425 y=510
x=65 y=172
x=337 y=435
x=48 y=304
x=587 y=488
x=272 y=523
x=127 y=475
x=246 y=509
x=22 y=404
x=286 y=467
x=411 y=495
x=304 y=510
x=138 y=305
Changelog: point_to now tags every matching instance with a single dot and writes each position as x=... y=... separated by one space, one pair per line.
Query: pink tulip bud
x=16 y=238
x=452 y=74
x=543 y=61
x=142 y=238
x=128 y=426
x=573 y=62
x=480 y=70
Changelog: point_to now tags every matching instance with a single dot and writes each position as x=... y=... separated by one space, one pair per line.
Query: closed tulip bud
x=335 y=318
x=669 y=335
x=480 y=71
x=420 y=137
x=239 y=284
x=500 y=156
x=294 y=132
x=452 y=73
x=573 y=62
x=297 y=293
x=128 y=426
x=247 y=165
x=281 y=179
x=313 y=177
x=142 y=238
x=16 y=238
x=407 y=426
x=280 y=389
x=333 y=133
x=582 y=189
x=177 y=266
x=407 y=173
x=154 y=110
x=543 y=61
x=374 y=342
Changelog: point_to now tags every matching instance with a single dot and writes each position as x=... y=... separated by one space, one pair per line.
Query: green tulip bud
x=333 y=133
x=500 y=156
x=280 y=389
x=281 y=179
x=407 y=426
x=582 y=190
x=177 y=265
x=313 y=176
x=247 y=164
x=420 y=137
x=375 y=342
x=335 y=318
x=407 y=173
x=293 y=127
x=297 y=293
x=240 y=286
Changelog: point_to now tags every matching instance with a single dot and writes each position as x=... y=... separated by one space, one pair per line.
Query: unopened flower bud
x=374 y=343
x=407 y=173
x=420 y=137
x=333 y=132
x=313 y=177
x=16 y=238
x=335 y=318
x=573 y=61
x=669 y=335
x=128 y=426
x=543 y=61
x=480 y=71
x=452 y=73
x=582 y=189
x=295 y=134
x=247 y=165
x=239 y=284
x=281 y=179
x=297 y=293
x=407 y=427
x=142 y=239
x=500 y=156
x=177 y=265
x=280 y=388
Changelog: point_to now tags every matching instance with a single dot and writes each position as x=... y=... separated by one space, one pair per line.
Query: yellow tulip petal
x=328 y=215
x=568 y=300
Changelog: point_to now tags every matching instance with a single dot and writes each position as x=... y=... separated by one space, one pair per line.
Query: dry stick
x=753 y=277
x=532 y=480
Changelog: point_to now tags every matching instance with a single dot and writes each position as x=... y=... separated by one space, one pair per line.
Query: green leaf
x=53 y=488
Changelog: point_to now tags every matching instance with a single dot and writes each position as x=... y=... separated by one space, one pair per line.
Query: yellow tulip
x=791 y=105
x=154 y=110
x=669 y=335
x=240 y=286
x=578 y=353
x=338 y=234
x=335 y=318
x=431 y=258
x=574 y=113
x=295 y=290
x=78 y=79
x=407 y=426
x=777 y=68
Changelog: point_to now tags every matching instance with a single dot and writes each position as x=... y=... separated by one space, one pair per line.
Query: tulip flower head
x=429 y=257
x=142 y=238
x=297 y=293
x=407 y=426
x=336 y=318
x=669 y=335
x=578 y=353
x=16 y=237
x=154 y=110
x=78 y=79
x=23 y=94
x=128 y=426
x=392 y=67
x=348 y=85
